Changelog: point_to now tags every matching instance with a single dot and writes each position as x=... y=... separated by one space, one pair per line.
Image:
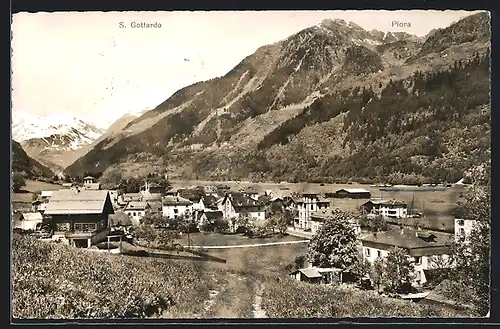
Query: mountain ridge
x=232 y=114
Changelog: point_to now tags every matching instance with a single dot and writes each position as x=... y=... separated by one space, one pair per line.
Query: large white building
x=136 y=211
x=174 y=206
x=425 y=249
x=236 y=205
x=385 y=208
x=307 y=204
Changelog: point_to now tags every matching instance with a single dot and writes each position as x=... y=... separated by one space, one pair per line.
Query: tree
x=334 y=245
x=398 y=271
x=153 y=218
x=111 y=178
x=17 y=182
x=470 y=254
x=377 y=272
x=282 y=223
x=361 y=268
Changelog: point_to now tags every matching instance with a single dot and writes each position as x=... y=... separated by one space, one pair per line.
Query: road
x=247 y=245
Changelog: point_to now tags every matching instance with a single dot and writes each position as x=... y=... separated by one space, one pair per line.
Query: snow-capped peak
x=62 y=125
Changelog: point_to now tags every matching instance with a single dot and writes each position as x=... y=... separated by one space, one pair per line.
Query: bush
x=289 y=298
x=54 y=281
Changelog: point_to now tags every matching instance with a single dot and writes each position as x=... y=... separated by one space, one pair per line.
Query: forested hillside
x=28 y=167
x=332 y=102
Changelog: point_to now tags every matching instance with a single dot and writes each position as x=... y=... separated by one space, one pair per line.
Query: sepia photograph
x=250 y=165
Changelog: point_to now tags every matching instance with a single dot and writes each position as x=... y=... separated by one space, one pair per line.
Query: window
x=417 y=260
x=135 y=214
x=460 y=222
x=461 y=231
x=61 y=227
x=367 y=252
x=85 y=227
x=312 y=206
x=379 y=253
x=176 y=211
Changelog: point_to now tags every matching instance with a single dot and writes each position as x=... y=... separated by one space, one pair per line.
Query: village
x=86 y=216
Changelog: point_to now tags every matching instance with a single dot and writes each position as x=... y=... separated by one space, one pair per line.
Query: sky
x=85 y=64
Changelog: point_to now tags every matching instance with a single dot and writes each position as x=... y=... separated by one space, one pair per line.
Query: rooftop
x=136 y=205
x=386 y=203
x=409 y=238
x=77 y=202
x=354 y=190
x=32 y=216
x=213 y=214
x=171 y=200
x=241 y=200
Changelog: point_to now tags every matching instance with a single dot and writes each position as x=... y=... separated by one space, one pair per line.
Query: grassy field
x=244 y=271
x=37 y=186
x=216 y=239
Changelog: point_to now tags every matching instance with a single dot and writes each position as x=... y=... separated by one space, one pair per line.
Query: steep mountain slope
x=267 y=118
x=53 y=139
x=22 y=163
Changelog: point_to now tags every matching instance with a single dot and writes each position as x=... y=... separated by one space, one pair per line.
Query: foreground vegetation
x=289 y=298
x=54 y=281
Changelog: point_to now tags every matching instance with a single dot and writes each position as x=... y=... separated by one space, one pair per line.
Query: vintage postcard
x=251 y=164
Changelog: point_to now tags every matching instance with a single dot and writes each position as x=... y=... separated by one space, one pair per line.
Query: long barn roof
x=77 y=202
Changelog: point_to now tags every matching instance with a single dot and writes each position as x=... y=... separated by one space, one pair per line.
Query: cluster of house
x=84 y=215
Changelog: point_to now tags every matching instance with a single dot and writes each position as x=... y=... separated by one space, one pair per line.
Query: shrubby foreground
x=53 y=281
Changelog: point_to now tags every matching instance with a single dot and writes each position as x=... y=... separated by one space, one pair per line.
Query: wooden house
x=318 y=275
x=80 y=217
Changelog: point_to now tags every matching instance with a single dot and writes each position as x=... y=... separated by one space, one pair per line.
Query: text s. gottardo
x=140 y=25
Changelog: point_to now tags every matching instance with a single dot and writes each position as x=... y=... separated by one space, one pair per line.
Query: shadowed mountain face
x=330 y=102
x=22 y=163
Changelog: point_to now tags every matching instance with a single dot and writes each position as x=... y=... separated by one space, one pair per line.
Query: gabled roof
x=211 y=215
x=265 y=199
x=171 y=200
x=32 y=216
x=136 y=205
x=209 y=200
x=353 y=190
x=132 y=197
x=385 y=203
x=152 y=197
x=240 y=200
x=78 y=202
x=310 y=272
x=409 y=238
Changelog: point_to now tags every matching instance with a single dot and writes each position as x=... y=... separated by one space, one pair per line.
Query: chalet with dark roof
x=80 y=217
x=236 y=205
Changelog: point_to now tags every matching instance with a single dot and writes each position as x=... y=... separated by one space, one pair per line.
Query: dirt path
x=258 y=312
x=248 y=245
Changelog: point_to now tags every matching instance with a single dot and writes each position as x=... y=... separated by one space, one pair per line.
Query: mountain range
x=331 y=102
x=59 y=139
